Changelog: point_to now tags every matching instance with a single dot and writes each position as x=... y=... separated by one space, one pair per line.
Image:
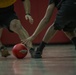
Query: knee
x=15 y=25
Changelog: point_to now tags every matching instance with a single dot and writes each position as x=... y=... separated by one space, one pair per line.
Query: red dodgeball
x=20 y=51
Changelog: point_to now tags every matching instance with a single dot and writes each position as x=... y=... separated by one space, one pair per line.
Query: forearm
x=27 y=6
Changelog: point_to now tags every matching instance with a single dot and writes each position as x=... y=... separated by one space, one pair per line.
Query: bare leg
x=49 y=34
x=72 y=37
x=3 y=49
x=17 y=28
x=47 y=37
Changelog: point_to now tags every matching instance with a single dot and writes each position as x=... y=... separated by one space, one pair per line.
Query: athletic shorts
x=66 y=16
x=6 y=16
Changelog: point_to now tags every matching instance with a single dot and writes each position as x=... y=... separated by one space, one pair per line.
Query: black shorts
x=6 y=16
x=66 y=17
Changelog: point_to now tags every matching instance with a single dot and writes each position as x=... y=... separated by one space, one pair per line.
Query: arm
x=27 y=8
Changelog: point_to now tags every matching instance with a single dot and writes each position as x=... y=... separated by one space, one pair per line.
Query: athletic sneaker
x=37 y=54
x=4 y=51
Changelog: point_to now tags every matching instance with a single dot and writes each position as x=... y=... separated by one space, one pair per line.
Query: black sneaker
x=37 y=54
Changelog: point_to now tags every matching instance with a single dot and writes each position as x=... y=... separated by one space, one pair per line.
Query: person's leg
x=16 y=27
x=48 y=36
x=66 y=20
x=9 y=19
x=65 y=16
x=72 y=37
x=3 y=50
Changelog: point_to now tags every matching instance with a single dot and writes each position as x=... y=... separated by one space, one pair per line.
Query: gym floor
x=57 y=60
